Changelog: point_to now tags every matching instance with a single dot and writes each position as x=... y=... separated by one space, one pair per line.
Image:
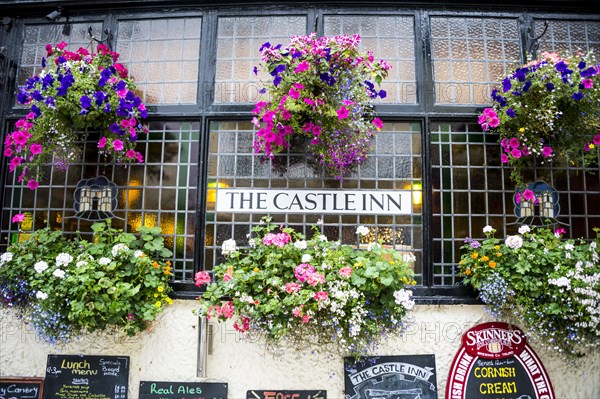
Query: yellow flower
x=474 y=255
x=256 y=270
x=392 y=262
x=522 y=129
x=158 y=304
x=484 y=258
x=468 y=271
x=591 y=145
x=492 y=264
x=160 y=289
x=499 y=254
x=155 y=264
x=496 y=247
x=155 y=295
x=168 y=300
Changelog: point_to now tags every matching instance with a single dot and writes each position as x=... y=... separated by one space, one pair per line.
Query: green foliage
x=535 y=278
x=310 y=290
x=67 y=287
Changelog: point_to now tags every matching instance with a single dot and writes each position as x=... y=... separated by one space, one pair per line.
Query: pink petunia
x=102 y=142
x=309 y=101
x=516 y=153
x=529 y=195
x=19 y=138
x=118 y=145
x=140 y=157
x=298 y=86
x=131 y=154
x=587 y=83
x=16 y=161
x=342 y=113
x=18 y=218
x=504 y=158
x=378 y=123
x=514 y=142
x=286 y=114
x=547 y=151
x=35 y=149
x=49 y=50
x=32 y=184
x=303 y=66
x=295 y=94
x=494 y=122
x=61 y=45
x=596 y=139
x=316 y=131
x=8 y=152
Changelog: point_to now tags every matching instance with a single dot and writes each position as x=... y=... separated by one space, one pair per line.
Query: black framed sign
x=286 y=394
x=394 y=377
x=83 y=377
x=182 y=390
x=21 y=388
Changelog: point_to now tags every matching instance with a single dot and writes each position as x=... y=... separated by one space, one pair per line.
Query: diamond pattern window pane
x=568 y=37
x=391 y=38
x=394 y=163
x=37 y=36
x=470 y=55
x=239 y=39
x=162 y=56
x=159 y=192
x=471 y=190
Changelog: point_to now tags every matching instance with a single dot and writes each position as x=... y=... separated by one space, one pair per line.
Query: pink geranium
x=345 y=272
x=321 y=296
x=202 y=278
x=18 y=218
x=290 y=288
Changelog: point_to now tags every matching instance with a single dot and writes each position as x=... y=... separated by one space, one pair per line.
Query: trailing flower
x=316 y=290
x=321 y=93
x=74 y=93
x=68 y=287
x=545 y=109
x=536 y=279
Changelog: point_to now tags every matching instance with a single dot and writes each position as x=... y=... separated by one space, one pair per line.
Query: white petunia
x=362 y=230
x=119 y=249
x=41 y=295
x=300 y=244
x=59 y=273
x=524 y=229
x=403 y=297
x=5 y=257
x=228 y=246
x=104 y=261
x=63 y=259
x=40 y=266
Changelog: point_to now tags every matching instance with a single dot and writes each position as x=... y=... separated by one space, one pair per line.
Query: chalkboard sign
x=182 y=390
x=83 y=377
x=21 y=388
x=280 y=394
x=495 y=361
x=391 y=377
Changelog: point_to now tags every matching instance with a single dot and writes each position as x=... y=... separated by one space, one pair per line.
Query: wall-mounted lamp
x=7 y=22
x=54 y=15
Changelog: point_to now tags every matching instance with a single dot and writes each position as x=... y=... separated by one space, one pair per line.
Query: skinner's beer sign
x=495 y=361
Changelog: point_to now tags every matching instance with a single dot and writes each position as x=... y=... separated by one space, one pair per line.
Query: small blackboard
x=280 y=394
x=393 y=377
x=82 y=377
x=21 y=388
x=182 y=390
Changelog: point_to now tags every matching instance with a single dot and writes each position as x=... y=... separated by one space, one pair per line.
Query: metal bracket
x=535 y=45
x=107 y=40
x=202 y=346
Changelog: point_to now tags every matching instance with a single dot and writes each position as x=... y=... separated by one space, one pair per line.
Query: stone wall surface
x=168 y=352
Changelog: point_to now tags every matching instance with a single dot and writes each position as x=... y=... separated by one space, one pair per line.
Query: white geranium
x=81 y=263
x=488 y=229
x=228 y=246
x=40 y=266
x=306 y=258
x=362 y=230
x=41 y=295
x=138 y=253
x=403 y=298
x=63 y=259
x=59 y=273
x=372 y=246
x=322 y=238
x=5 y=258
x=524 y=229
x=569 y=247
x=514 y=242
x=408 y=257
x=300 y=244
x=104 y=261
x=119 y=249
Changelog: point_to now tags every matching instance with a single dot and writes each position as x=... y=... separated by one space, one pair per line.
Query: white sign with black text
x=394 y=202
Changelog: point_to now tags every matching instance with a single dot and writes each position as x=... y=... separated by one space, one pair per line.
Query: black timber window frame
x=206 y=112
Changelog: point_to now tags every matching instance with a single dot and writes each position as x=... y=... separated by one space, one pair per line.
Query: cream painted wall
x=168 y=352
